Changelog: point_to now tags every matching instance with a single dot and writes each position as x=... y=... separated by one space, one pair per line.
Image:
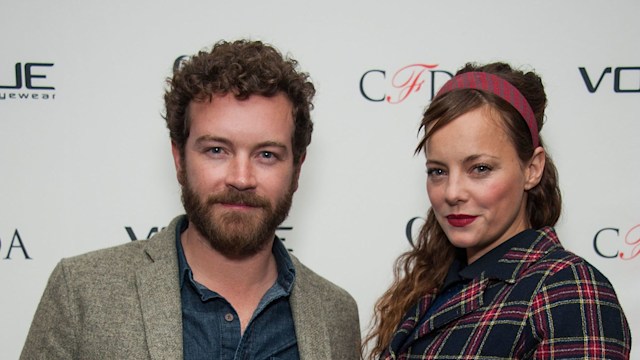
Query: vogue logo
x=26 y=82
x=16 y=243
x=133 y=237
x=625 y=79
x=395 y=87
x=608 y=244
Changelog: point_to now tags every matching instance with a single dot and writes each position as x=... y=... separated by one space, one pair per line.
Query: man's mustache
x=239 y=198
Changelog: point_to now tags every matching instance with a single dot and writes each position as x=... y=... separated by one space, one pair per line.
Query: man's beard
x=235 y=234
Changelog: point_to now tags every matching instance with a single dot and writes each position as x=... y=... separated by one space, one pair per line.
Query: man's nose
x=241 y=174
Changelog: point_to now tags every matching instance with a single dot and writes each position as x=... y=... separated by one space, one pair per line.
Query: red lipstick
x=460 y=220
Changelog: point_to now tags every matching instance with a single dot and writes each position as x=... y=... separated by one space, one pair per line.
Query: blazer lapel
x=308 y=312
x=467 y=300
x=159 y=293
x=407 y=329
x=507 y=269
x=517 y=260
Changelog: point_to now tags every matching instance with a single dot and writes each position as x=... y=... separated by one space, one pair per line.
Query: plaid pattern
x=538 y=302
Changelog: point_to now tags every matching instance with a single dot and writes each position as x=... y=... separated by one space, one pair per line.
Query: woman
x=488 y=277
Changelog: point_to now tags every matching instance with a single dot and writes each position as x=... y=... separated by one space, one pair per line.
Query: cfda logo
x=395 y=87
x=611 y=243
x=412 y=229
x=179 y=62
x=14 y=248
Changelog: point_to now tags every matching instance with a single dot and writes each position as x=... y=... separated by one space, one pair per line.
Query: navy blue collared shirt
x=211 y=327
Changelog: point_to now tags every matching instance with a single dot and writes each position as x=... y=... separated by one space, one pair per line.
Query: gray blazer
x=124 y=303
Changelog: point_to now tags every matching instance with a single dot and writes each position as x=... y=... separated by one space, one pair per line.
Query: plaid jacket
x=540 y=302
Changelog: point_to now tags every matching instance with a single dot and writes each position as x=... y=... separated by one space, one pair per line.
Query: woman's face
x=476 y=182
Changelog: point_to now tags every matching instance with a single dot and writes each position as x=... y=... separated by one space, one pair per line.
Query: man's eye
x=215 y=150
x=267 y=154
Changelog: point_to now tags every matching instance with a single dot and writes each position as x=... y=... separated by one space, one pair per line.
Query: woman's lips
x=459 y=220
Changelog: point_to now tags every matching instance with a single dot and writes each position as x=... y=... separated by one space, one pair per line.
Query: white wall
x=77 y=168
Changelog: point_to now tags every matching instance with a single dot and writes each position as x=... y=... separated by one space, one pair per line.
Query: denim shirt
x=211 y=327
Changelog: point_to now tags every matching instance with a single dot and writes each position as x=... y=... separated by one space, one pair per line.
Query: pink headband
x=500 y=87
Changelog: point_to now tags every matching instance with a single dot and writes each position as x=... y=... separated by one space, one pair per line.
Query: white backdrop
x=87 y=164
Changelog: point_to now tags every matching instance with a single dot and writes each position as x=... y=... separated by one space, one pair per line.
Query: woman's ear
x=535 y=168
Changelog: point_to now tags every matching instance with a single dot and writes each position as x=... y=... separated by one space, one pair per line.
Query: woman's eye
x=481 y=168
x=435 y=172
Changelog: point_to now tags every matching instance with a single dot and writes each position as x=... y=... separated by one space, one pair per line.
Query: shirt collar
x=183 y=268
x=286 y=270
x=490 y=263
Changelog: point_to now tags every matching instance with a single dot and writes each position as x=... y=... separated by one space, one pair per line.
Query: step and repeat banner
x=85 y=160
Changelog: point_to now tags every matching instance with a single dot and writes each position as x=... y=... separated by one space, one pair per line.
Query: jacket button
x=229 y=317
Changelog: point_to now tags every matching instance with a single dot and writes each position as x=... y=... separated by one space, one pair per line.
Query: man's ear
x=178 y=162
x=296 y=174
x=535 y=168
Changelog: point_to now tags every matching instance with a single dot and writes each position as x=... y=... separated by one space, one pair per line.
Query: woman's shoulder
x=553 y=266
x=566 y=272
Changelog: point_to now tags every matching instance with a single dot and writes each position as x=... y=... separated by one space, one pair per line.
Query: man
x=216 y=283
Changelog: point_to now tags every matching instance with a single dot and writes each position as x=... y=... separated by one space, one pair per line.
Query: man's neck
x=242 y=282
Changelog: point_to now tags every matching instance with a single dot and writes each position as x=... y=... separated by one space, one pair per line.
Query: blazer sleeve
x=52 y=331
x=576 y=314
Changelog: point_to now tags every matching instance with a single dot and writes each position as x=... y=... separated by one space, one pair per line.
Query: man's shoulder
x=309 y=281
x=125 y=257
x=325 y=315
x=111 y=256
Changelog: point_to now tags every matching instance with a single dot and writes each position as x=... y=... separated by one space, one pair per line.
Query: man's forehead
x=256 y=119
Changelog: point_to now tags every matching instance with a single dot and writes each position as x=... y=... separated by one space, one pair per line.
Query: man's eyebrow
x=210 y=138
x=272 y=144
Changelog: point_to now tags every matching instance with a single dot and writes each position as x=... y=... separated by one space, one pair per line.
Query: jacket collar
x=515 y=257
x=521 y=253
x=159 y=294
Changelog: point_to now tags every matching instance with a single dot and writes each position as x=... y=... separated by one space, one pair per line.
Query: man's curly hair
x=242 y=68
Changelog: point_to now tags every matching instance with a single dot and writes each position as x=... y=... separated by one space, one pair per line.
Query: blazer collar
x=470 y=298
x=159 y=293
x=522 y=252
x=308 y=314
x=525 y=249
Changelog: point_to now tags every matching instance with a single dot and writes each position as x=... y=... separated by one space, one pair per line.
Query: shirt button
x=229 y=317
